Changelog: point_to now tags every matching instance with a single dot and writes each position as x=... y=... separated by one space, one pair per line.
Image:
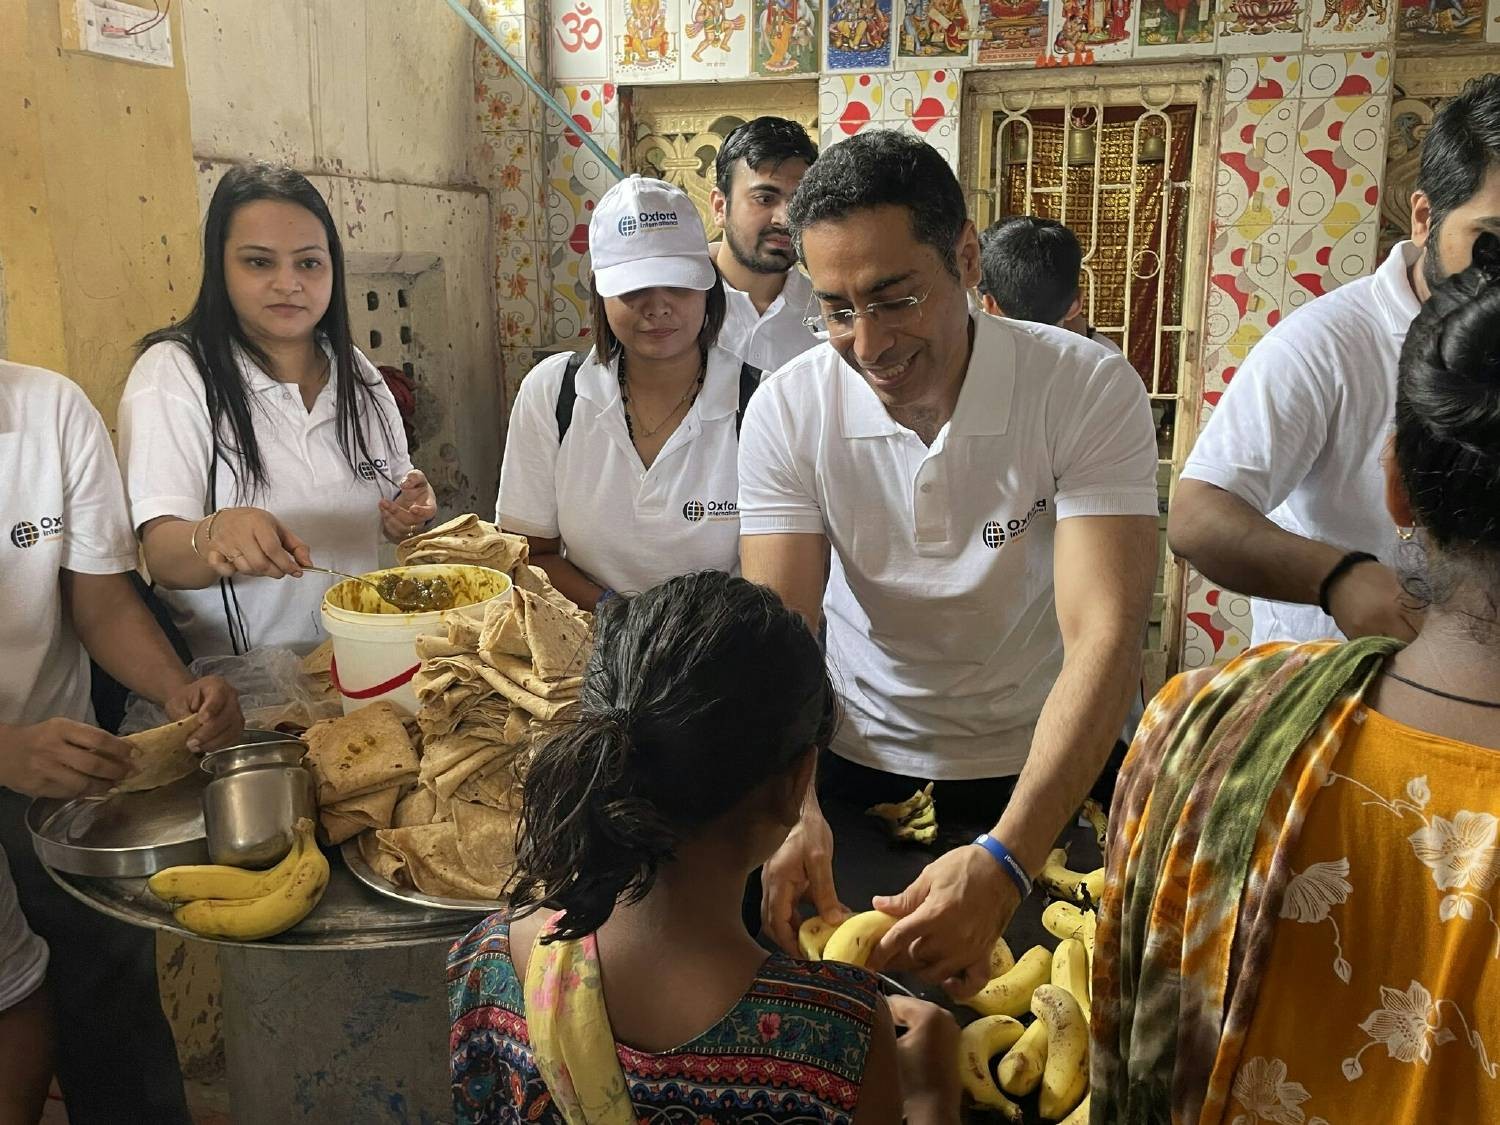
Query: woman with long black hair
x=257 y=415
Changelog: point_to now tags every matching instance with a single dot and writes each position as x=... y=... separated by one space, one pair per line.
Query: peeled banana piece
x=1010 y=993
x=1021 y=1068
x=1065 y=1075
x=215 y=880
x=978 y=1043
x=1070 y=971
x=813 y=936
x=254 y=919
x=857 y=937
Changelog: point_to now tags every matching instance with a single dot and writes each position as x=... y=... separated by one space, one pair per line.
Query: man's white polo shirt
x=625 y=526
x=775 y=337
x=942 y=631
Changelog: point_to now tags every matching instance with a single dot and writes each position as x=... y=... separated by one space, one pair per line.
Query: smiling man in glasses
x=981 y=497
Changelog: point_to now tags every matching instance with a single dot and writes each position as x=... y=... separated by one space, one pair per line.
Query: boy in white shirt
x=67 y=555
x=758 y=169
x=1283 y=497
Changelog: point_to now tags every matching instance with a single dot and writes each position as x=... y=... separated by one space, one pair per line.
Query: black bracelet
x=1341 y=568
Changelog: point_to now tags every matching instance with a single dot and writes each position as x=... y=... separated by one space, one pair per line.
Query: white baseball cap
x=646 y=233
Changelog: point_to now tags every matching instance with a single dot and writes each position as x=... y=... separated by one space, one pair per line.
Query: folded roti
x=558 y=636
x=494 y=785
x=486 y=842
x=365 y=751
x=465 y=539
x=430 y=858
x=351 y=817
x=160 y=755
x=417 y=807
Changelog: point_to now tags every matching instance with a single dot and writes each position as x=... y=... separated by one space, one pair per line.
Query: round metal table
x=342 y=1018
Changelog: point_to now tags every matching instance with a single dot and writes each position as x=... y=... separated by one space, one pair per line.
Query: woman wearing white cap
x=621 y=468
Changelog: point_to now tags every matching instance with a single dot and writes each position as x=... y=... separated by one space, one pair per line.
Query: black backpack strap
x=567 y=394
x=749 y=380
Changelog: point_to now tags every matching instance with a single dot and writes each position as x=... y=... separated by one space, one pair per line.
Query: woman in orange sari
x=1302 y=919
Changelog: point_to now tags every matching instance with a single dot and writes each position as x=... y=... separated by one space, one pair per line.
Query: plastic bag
x=273 y=688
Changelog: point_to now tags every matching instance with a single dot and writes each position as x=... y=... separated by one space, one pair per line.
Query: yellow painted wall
x=98 y=204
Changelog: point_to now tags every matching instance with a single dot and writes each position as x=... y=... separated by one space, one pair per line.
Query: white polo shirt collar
x=1398 y=304
x=984 y=400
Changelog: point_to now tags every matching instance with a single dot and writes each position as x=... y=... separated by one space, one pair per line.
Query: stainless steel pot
x=258 y=793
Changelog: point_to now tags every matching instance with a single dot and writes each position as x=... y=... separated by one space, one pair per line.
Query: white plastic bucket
x=374 y=645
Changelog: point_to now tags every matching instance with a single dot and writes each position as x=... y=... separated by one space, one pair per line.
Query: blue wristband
x=1008 y=863
x=604 y=596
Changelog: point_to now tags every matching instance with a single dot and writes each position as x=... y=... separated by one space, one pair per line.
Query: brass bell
x=1153 y=149
x=1081 y=145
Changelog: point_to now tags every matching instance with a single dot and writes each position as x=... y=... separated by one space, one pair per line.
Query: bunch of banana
x=856 y=937
x=231 y=904
x=913 y=820
x=1072 y=886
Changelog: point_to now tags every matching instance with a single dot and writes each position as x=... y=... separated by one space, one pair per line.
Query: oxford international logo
x=693 y=511
x=996 y=534
x=696 y=511
x=370 y=470
x=628 y=226
x=25 y=534
x=647 y=221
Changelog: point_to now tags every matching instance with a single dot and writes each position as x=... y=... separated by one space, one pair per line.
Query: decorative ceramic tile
x=849 y=104
x=500 y=97
x=1246 y=288
x=1433 y=23
x=1349 y=23
x=786 y=37
x=1176 y=27
x=1345 y=74
x=1261 y=26
x=1373 y=66
x=934 y=31
x=518 y=294
x=1011 y=32
x=577 y=40
x=857 y=35
x=922 y=97
x=1341 y=148
x=1323 y=256
x=515 y=362
x=594 y=107
x=1257 y=159
x=1092 y=30
x=490 y=10
x=715 y=40
x=941 y=134
x=1217 y=625
x=645 y=40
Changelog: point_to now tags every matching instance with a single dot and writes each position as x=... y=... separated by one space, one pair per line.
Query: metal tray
x=367 y=875
x=122 y=835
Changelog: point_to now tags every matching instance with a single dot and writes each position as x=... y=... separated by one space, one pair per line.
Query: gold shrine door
x=1124 y=156
x=675 y=132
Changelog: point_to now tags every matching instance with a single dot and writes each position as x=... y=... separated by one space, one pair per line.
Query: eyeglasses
x=839 y=324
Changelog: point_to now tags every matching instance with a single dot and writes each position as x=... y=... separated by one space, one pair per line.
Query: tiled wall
x=923 y=103
x=1296 y=213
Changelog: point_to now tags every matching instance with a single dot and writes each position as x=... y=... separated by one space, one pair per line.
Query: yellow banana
x=813 y=936
x=903 y=811
x=1010 y=993
x=1064 y=920
x=1065 y=1077
x=1079 y=1116
x=1061 y=882
x=1093 y=812
x=254 y=919
x=1070 y=971
x=978 y=1043
x=1021 y=1069
x=853 y=941
x=1002 y=960
x=214 y=880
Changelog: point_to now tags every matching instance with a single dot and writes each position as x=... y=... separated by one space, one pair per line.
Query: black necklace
x=1400 y=679
x=692 y=392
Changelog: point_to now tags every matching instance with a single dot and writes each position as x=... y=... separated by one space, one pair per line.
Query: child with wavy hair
x=623 y=985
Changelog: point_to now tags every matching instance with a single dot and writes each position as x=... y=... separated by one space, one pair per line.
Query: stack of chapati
x=486 y=688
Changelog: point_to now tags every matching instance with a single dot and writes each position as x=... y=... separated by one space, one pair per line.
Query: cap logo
x=628 y=226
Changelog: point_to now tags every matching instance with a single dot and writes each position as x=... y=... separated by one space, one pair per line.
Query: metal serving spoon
x=378 y=592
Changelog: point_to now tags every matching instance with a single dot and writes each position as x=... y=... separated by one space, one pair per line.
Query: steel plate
x=370 y=878
x=122 y=835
